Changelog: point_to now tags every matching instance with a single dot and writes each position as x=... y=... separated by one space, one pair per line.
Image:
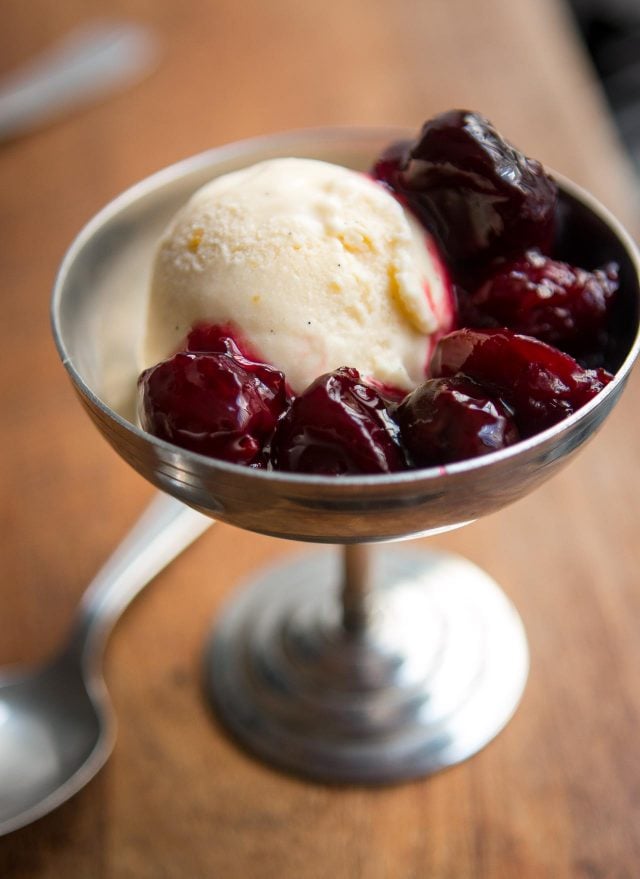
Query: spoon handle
x=163 y=531
x=89 y=63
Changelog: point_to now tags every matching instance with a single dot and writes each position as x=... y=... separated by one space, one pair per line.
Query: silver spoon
x=57 y=727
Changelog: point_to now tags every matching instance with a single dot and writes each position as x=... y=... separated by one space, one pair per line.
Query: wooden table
x=558 y=793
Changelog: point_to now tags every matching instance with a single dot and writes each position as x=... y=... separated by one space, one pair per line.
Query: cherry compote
x=507 y=374
x=450 y=419
x=565 y=306
x=541 y=384
x=217 y=403
x=338 y=426
x=477 y=194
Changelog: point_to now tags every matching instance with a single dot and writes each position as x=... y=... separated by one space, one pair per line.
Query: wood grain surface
x=557 y=794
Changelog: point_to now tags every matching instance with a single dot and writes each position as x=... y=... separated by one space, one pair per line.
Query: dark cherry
x=566 y=307
x=480 y=196
x=451 y=419
x=541 y=384
x=213 y=403
x=391 y=161
x=339 y=425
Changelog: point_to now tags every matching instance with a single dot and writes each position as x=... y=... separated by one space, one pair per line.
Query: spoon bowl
x=56 y=731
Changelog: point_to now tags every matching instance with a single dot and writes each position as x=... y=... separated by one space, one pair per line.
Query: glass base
x=437 y=672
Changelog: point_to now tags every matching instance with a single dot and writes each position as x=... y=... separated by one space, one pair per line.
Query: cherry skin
x=559 y=304
x=474 y=191
x=541 y=384
x=213 y=403
x=451 y=419
x=339 y=425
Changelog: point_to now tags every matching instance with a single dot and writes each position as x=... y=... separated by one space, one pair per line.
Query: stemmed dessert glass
x=358 y=665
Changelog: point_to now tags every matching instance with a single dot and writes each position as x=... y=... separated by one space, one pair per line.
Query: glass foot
x=433 y=674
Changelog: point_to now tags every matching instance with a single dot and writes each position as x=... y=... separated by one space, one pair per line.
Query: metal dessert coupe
x=362 y=664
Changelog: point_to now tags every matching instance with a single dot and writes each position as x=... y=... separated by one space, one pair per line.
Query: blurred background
x=217 y=71
x=555 y=797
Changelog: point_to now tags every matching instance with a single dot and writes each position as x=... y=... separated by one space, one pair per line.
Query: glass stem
x=356 y=588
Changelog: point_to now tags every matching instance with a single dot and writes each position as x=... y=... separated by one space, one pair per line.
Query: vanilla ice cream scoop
x=315 y=265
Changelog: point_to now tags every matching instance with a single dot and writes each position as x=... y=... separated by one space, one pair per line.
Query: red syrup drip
x=446 y=312
x=220 y=339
